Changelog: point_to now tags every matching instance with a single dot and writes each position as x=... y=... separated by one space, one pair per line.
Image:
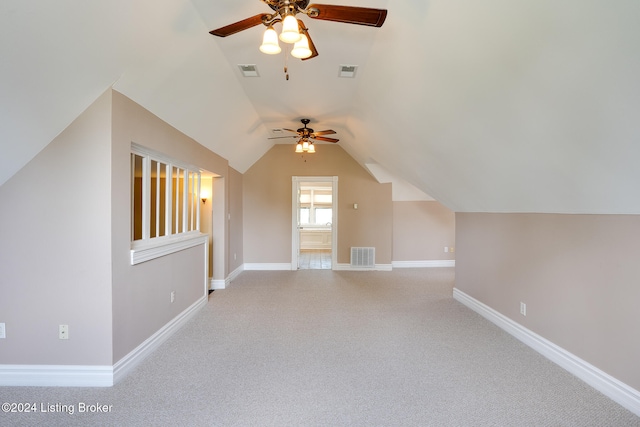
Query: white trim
x=146 y=251
x=268 y=266
x=235 y=273
x=94 y=376
x=222 y=284
x=424 y=263
x=137 y=355
x=141 y=150
x=295 y=235
x=56 y=376
x=616 y=390
x=217 y=284
x=377 y=267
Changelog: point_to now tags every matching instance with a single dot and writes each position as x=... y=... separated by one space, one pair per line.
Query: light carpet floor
x=331 y=348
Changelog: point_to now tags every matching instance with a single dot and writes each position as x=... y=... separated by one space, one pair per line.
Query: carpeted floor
x=328 y=348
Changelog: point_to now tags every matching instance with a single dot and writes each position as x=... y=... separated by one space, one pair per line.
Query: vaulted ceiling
x=491 y=105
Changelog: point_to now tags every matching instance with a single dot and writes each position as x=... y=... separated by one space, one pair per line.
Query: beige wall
x=55 y=248
x=578 y=275
x=235 y=258
x=421 y=231
x=267 y=204
x=141 y=293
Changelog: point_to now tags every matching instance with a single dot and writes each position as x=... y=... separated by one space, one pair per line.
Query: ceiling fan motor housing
x=287 y=6
x=305 y=132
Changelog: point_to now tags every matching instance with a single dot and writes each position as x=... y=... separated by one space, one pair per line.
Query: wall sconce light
x=205 y=193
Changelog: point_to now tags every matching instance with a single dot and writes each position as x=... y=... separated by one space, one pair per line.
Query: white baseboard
x=235 y=273
x=424 y=263
x=93 y=376
x=377 y=267
x=348 y=267
x=138 y=354
x=267 y=266
x=222 y=284
x=616 y=390
x=56 y=376
x=217 y=284
x=287 y=266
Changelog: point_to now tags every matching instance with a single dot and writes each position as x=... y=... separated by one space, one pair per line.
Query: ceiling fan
x=305 y=134
x=294 y=30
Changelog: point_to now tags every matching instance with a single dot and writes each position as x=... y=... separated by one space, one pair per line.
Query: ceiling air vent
x=348 y=71
x=249 y=70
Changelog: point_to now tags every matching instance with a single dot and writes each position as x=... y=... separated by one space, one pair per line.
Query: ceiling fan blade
x=280 y=137
x=324 y=138
x=325 y=132
x=304 y=30
x=289 y=130
x=348 y=14
x=236 y=27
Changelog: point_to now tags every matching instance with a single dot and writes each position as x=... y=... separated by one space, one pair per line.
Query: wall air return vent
x=348 y=71
x=363 y=257
x=249 y=70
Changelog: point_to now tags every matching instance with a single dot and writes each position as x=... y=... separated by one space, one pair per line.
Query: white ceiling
x=493 y=105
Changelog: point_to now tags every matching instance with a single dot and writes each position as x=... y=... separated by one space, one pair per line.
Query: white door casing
x=295 y=216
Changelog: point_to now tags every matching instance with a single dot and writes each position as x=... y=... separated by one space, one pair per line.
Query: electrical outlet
x=523 y=309
x=3 y=330
x=173 y=296
x=63 y=332
x=451 y=249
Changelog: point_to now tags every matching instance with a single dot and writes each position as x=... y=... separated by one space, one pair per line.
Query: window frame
x=147 y=248
x=312 y=205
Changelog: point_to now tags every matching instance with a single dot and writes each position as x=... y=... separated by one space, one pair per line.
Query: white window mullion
x=198 y=203
x=185 y=196
x=146 y=197
x=192 y=196
x=190 y=203
x=157 y=190
x=177 y=200
x=167 y=199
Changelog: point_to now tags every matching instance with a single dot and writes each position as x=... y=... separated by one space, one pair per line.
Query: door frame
x=295 y=211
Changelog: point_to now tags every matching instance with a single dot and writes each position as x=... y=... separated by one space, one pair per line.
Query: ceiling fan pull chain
x=286 y=68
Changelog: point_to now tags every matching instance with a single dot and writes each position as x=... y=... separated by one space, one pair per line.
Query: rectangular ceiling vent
x=363 y=257
x=249 y=70
x=348 y=71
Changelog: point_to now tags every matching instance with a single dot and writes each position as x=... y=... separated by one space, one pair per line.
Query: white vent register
x=363 y=257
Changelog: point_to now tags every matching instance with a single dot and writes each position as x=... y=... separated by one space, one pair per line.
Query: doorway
x=212 y=223
x=314 y=222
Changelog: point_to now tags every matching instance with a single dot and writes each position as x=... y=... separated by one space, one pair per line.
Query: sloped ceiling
x=490 y=106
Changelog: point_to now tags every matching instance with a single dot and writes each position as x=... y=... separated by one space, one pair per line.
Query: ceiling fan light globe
x=311 y=149
x=305 y=145
x=301 y=48
x=299 y=148
x=290 y=33
x=270 y=44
